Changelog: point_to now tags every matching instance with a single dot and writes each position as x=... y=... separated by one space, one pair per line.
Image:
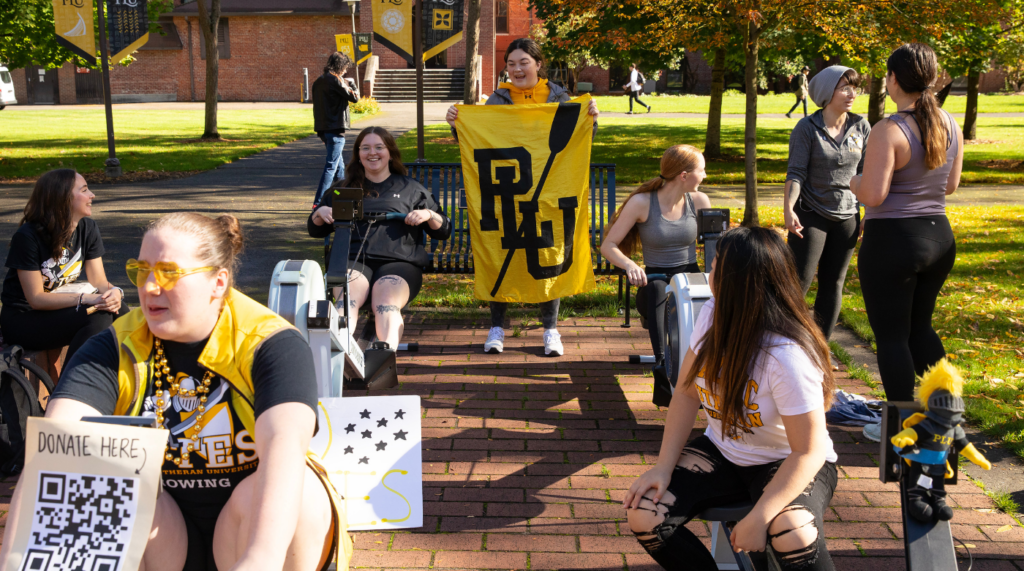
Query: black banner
x=127 y=27
x=442 y=25
x=363 y=47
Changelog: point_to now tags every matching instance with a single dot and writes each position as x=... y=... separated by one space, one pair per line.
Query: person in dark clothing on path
x=825 y=151
x=56 y=241
x=800 y=91
x=332 y=93
x=912 y=161
x=386 y=258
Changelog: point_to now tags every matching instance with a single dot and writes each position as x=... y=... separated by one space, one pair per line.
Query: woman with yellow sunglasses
x=44 y=307
x=234 y=384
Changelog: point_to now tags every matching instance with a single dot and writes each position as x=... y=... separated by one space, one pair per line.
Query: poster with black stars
x=371 y=449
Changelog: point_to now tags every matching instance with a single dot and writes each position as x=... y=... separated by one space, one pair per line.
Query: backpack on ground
x=19 y=400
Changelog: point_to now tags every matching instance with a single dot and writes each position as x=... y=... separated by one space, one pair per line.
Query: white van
x=6 y=88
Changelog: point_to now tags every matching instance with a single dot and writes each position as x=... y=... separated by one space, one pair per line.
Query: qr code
x=81 y=521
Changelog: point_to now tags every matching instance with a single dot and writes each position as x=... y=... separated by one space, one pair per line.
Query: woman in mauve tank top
x=912 y=161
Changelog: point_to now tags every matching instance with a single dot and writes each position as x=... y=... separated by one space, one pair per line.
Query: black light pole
x=113 y=165
x=417 y=50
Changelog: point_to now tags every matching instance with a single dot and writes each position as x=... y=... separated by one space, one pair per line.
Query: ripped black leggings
x=704 y=478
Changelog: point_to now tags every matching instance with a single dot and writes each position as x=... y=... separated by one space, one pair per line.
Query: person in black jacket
x=331 y=95
x=386 y=258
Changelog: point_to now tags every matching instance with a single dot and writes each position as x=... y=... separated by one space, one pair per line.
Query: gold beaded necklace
x=161 y=368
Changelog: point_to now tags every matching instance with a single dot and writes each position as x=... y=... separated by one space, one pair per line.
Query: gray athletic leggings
x=548 y=313
x=826 y=248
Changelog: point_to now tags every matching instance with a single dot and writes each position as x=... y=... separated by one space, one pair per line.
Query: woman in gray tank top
x=912 y=161
x=660 y=216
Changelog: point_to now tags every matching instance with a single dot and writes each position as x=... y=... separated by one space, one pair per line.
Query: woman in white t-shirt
x=766 y=440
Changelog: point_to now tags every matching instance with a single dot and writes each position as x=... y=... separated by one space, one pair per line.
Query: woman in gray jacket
x=825 y=151
x=528 y=84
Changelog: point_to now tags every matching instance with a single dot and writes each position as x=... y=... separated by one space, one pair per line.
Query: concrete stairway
x=396 y=85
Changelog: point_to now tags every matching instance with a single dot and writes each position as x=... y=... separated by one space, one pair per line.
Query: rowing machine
x=302 y=294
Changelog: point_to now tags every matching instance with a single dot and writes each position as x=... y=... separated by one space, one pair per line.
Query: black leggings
x=903 y=263
x=548 y=313
x=650 y=301
x=635 y=95
x=41 y=330
x=704 y=479
x=826 y=247
x=797 y=104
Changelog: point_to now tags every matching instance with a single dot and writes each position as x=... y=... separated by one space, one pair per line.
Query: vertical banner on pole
x=72 y=24
x=344 y=44
x=358 y=50
x=128 y=25
x=442 y=25
x=392 y=26
x=364 y=47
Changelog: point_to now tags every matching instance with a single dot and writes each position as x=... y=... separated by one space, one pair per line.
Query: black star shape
x=400 y=434
x=348 y=450
x=382 y=422
x=364 y=460
x=381 y=445
x=350 y=428
x=400 y=414
x=367 y=434
x=364 y=414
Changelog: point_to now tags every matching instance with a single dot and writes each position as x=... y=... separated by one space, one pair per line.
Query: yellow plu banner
x=393 y=25
x=527 y=175
x=72 y=24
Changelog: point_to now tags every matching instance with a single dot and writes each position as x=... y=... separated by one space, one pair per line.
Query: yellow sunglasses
x=166 y=274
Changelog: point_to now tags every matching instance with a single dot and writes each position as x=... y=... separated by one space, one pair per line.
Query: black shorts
x=374 y=270
x=200 y=542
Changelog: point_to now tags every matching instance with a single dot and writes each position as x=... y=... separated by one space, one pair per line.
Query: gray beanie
x=823 y=85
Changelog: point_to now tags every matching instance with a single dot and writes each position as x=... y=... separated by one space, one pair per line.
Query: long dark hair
x=337 y=63
x=49 y=209
x=355 y=174
x=756 y=293
x=914 y=67
x=676 y=159
x=532 y=49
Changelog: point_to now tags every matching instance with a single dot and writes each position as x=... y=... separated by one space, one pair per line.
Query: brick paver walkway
x=526 y=457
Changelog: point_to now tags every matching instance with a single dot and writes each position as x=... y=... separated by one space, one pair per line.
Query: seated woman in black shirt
x=388 y=257
x=56 y=240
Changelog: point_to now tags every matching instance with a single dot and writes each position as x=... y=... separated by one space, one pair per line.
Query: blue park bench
x=455 y=255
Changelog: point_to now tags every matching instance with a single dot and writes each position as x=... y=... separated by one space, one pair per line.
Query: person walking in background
x=332 y=93
x=912 y=161
x=635 y=88
x=825 y=151
x=525 y=64
x=800 y=89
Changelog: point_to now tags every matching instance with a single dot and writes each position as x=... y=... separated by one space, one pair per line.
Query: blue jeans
x=334 y=169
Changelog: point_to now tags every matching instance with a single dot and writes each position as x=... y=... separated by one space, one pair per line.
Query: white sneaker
x=495 y=340
x=552 y=343
x=873 y=432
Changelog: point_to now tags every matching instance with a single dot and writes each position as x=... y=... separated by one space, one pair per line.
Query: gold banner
x=392 y=26
x=527 y=177
x=73 y=26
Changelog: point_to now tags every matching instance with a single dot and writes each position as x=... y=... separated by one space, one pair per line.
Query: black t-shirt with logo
x=29 y=251
x=282 y=372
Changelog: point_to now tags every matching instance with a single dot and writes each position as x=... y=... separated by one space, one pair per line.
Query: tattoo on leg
x=386 y=308
x=392 y=280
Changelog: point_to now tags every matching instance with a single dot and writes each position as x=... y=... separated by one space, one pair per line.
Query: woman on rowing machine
x=759 y=365
x=660 y=216
x=386 y=258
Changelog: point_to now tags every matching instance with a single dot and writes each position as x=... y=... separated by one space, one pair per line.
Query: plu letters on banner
x=73 y=27
x=527 y=179
x=87 y=496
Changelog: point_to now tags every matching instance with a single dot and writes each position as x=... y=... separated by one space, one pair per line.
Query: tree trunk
x=469 y=95
x=876 y=101
x=713 y=135
x=750 y=129
x=209 y=21
x=971 y=114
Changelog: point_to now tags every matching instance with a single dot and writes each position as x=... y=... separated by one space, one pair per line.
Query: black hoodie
x=393 y=240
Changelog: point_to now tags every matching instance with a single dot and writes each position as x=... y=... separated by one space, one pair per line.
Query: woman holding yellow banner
x=528 y=84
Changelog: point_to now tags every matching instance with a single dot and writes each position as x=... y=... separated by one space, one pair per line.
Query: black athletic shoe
x=788 y=116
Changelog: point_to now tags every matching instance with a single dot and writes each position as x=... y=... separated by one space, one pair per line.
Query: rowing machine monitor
x=711 y=223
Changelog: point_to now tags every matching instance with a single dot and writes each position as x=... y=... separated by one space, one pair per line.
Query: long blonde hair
x=677 y=159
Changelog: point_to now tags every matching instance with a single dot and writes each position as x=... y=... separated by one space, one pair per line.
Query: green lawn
x=635 y=145
x=772 y=103
x=37 y=140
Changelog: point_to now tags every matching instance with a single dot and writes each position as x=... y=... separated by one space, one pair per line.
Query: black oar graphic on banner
x=561 y=133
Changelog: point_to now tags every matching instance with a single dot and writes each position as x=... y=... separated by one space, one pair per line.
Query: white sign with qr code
x=87 y=496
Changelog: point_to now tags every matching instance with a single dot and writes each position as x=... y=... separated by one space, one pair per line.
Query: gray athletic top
x=916 y=191
x=668 y=243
